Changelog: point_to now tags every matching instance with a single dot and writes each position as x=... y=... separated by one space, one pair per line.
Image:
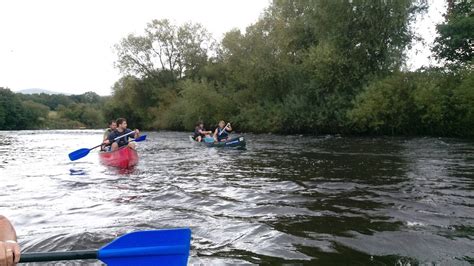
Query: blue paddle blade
x=78 y=154
x=141 y=138
x=156 y=247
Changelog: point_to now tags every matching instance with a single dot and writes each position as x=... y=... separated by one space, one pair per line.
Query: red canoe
x=122 y=158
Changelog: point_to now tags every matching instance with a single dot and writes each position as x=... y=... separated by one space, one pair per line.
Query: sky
x=425 y=26
x=67 y=46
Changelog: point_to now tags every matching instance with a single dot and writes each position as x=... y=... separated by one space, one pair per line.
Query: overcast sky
x=67 y=46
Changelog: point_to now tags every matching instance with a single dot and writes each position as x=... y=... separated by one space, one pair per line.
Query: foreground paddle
x=156 y=247
x=75 y=155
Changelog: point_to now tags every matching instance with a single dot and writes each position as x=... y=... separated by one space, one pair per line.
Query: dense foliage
x=23 y=111
x=455 y=42
x=306 y=66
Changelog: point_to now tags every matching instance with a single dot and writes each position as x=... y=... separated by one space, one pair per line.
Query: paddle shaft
x=59 y=255
x=119 y=137
x=220 y=133
x=147 y=248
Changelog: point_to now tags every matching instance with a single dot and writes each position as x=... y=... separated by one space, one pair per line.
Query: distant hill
x=38 y=91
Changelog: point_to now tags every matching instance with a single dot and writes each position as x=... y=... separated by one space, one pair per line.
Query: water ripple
x=286 y=199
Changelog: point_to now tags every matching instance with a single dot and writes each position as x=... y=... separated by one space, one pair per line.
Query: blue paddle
x=75 y=155
x=156 y=247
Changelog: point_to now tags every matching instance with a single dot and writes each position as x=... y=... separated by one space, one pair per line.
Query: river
x=285 y=199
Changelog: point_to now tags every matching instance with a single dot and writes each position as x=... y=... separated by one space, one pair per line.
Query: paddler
x=200 y=133
x=112 y=128
x=222 y=131
x=9 y=248
x=120 y=131
x=108 y=131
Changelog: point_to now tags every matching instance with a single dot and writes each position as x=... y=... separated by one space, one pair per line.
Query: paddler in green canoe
x=222 y=131
x=120 y=131
x=200 y=133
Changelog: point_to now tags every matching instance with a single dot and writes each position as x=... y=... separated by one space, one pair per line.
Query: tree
x=198 y=101
x=35 y=113
x=181 y=50
x=316 y=53
x=455 y=42
x=89 y=97
x=12 y=112
x=127 y=102
x=386 y=106
x=306 y=66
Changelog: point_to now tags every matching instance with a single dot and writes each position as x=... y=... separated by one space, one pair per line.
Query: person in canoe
x=222 y=131
x=112 y=128
x=200 y=133
x=9 y=248
x=120 y=131
x=108 y=131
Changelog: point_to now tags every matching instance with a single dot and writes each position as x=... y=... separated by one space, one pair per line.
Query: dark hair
x=112 y=121
x=121 y=120
x=199 y=123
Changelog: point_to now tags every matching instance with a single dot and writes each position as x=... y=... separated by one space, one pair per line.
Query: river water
x=285 y=199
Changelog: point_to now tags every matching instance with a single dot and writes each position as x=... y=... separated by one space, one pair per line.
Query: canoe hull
x=238 y=142
x=122 y=158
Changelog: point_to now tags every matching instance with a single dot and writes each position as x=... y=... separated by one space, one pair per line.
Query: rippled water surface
x=286 y=199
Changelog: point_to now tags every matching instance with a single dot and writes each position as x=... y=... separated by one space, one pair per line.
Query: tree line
x=309 y=66
x=306 y=66
x=44 y=111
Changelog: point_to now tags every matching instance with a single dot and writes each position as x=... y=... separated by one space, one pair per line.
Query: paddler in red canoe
x=108 y=131
x=120 y=131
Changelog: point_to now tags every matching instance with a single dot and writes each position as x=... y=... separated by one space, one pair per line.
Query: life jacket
x=222 y=134
x=196 y=132
x=122 y=141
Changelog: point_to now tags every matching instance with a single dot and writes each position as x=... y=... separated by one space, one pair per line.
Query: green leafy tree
x=455 y=42
x=386 y=106
x=126 y=102
x=35 y=113
x=199 y=101
x=314 y=53
x=312 y=66
x=463 y=99
x=12 y=112
x=50 y=100
x=181 y=50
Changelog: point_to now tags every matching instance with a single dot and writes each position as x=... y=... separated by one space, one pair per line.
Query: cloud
x=67 y=45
